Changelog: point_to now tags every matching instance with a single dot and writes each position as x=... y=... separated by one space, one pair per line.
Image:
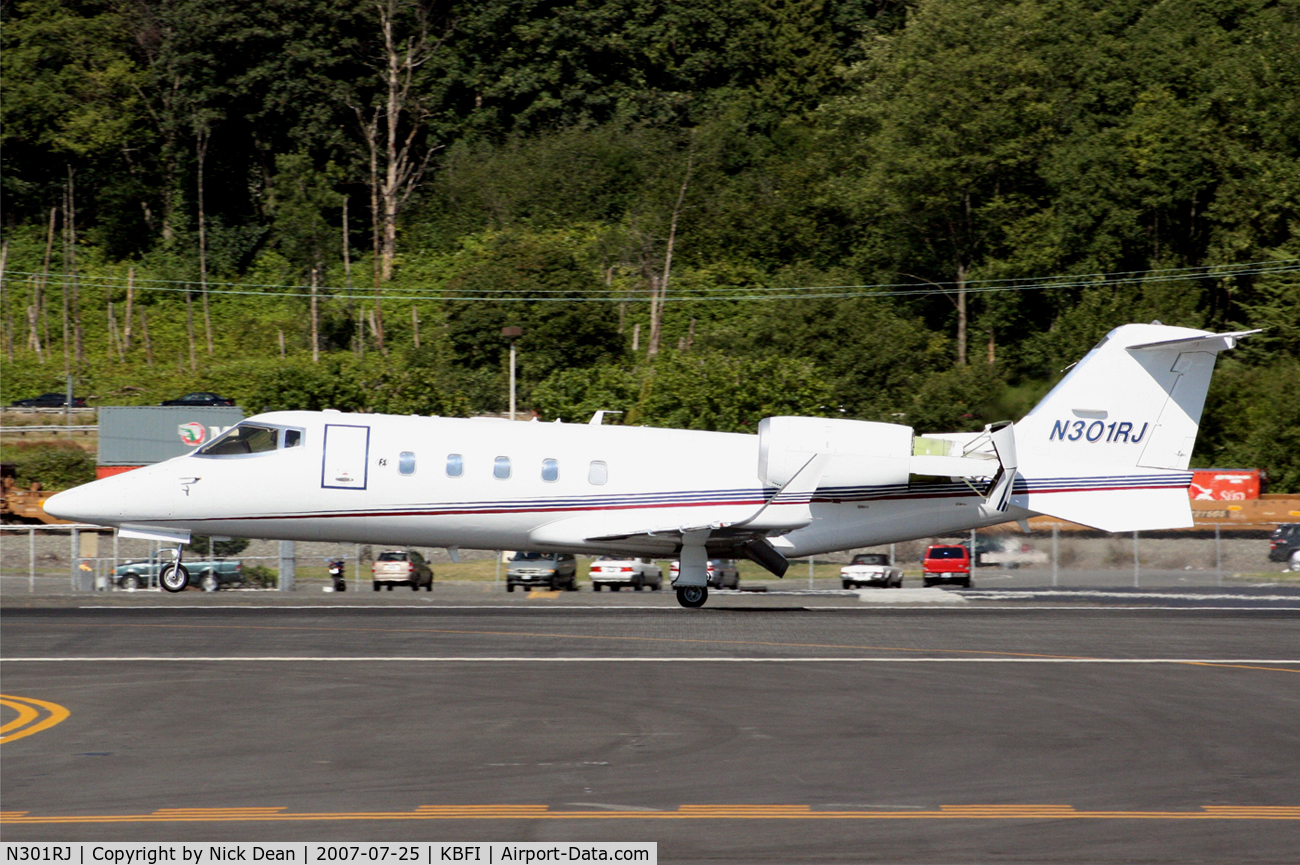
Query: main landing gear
x=173 y=577
x=692 y=596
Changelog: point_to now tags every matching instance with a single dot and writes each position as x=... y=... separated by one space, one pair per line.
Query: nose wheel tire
x=692 y=596
x=174 y=578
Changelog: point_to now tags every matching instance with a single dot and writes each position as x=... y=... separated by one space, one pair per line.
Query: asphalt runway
x=777 y=729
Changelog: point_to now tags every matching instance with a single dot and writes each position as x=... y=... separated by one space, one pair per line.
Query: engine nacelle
x=863 y=453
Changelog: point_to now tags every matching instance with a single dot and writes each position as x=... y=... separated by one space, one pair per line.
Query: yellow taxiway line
x=684 y=812
x=29 y=718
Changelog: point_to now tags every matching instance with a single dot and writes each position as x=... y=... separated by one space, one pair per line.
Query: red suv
x=946 y=563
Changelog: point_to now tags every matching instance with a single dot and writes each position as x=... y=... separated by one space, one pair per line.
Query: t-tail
x=1110 y=445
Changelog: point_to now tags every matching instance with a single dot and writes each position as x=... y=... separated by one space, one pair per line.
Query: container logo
x=192 y=433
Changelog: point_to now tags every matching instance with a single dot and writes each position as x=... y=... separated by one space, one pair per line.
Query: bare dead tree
x=40 y=303
x=358 y=338
x=31 y=320
x=202 y=135
x=67 y=290
x=4 y=300
x=391 y=131
x=130 y=298
x=370 y=131
x=659 y=287
x=962 y=275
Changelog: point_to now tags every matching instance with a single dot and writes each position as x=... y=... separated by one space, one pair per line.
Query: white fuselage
x=393 y=480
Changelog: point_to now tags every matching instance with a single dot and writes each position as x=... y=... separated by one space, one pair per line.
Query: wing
x=744 y=535
x=785 y=510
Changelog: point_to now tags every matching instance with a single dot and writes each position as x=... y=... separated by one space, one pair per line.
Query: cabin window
x=455 y=465
x=550 y=470
x=598 y=473
x=501 y=468
x=292 y=438
x=406 y=463
x=243 y=439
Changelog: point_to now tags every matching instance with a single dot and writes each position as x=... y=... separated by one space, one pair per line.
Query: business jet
x=1108 y=447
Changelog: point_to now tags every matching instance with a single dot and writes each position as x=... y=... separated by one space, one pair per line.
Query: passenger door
x=347 y=454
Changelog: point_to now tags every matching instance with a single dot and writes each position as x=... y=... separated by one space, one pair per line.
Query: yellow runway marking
x=684 y=812
x=29 y=718
x=26 y=714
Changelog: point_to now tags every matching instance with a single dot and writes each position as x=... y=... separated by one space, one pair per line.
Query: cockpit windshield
x=246 y=438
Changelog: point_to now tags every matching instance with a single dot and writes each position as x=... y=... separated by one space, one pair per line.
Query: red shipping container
x=102 y=472
x=1224 y=485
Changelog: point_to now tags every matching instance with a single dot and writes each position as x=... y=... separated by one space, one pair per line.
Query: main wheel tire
x=848 y=584
x=927 y=583
x=174 y=577
x=657 y=586
x=615 y=587
x=595 y=587
x=428 y=587
x=510 y=587
x=692 y=597
x=638 y=585
x=415 y=585
x=209 y=582
x=376 y=585
x=389 y=586
x=130 y=581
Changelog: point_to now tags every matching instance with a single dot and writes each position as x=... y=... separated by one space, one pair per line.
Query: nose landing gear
x=692 y=596
x=173 y=577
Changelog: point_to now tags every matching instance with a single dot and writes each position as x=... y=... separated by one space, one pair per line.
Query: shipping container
x=133 y=436
x=1224 y=485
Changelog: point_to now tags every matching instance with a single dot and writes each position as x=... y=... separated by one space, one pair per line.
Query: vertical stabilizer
x=1109 y=447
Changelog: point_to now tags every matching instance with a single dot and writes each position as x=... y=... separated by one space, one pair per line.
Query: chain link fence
x=64 y=559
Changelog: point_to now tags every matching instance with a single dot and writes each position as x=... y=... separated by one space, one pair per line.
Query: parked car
x=210 y=576
x=532 y=570
x=617 y=572
x=1284 y=541
x=1008 y=553
x=199 y=398
x=50 y=400
x=723 y=573
x=946 y=563
x=401 y=568
x=871 y=569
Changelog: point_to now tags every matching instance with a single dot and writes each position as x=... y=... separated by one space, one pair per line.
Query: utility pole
x=315 y=321
x=512 y=333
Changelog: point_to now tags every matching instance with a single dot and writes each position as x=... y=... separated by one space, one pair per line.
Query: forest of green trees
x=699 y=214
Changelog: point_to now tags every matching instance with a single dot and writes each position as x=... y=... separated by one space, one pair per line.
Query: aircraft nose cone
x=83 y=504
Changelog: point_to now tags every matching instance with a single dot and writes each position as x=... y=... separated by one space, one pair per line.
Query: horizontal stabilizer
x=1216 y=342
x=1110 y=503
x=1129 y=511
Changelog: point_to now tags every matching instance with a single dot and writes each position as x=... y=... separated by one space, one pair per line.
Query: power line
x=724 y=293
